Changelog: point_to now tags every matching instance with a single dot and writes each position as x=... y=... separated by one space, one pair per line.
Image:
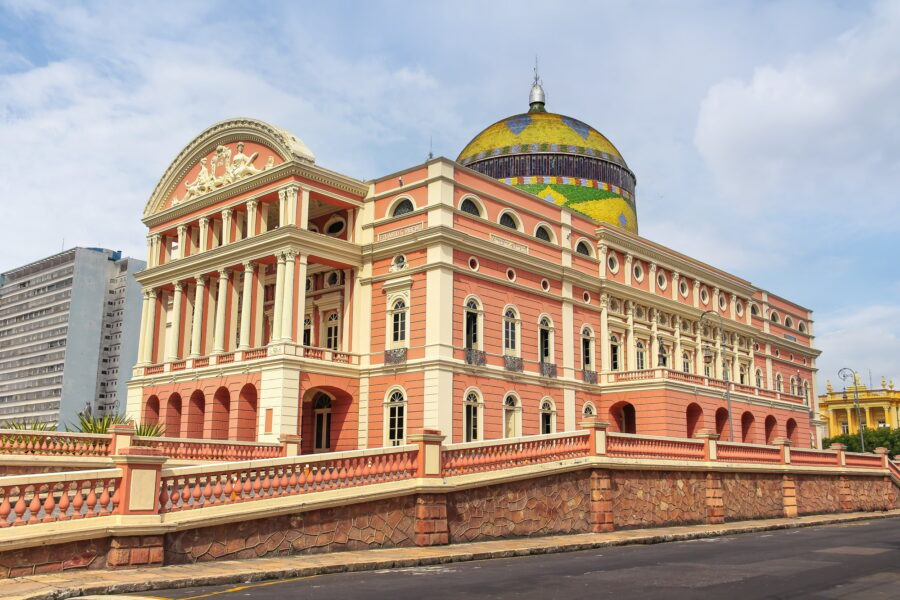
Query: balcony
x=513 y=363
x=255 y=354
x=397 y=356
x=548 y=369
x=663 y=374
x=589 y=376
x=475 y=357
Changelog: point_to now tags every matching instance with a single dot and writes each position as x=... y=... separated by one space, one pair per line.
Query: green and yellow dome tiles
x=598 y=185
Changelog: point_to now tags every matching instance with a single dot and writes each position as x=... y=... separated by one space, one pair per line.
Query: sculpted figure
x=269 y=163
x=242 y=165
x=222 y=159
x=200 y=185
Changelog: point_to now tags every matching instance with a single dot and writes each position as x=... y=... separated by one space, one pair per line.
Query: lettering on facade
x=394 y=233
x=500 y=241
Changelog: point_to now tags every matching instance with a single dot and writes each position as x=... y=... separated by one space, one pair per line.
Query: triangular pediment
x=226 y=153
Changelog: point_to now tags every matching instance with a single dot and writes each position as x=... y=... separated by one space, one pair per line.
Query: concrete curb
x=65 y=585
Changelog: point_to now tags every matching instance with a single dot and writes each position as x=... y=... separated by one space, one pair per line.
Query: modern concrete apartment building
x=68 y=335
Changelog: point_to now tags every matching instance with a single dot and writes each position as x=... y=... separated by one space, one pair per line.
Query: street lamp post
x=851 y=375
x=708 y=356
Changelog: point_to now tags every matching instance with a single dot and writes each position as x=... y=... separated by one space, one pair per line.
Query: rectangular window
x=471 y=425
x=586 y=353
x=395 y=425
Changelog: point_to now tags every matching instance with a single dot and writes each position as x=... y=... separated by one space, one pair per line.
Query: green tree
x=875 y=438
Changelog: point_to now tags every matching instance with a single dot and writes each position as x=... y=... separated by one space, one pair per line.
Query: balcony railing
x=289 y=349
x=395 y=356
x=513 y=363
x=475 y=357
x=701 y=380
x=548 y=369
x=589 y=376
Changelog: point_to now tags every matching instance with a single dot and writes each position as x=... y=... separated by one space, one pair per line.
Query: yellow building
x=878 y=408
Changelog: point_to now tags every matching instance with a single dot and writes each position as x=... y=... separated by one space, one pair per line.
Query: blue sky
x=765 y=135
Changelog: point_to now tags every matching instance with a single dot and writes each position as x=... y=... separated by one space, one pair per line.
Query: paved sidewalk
x=84 y=583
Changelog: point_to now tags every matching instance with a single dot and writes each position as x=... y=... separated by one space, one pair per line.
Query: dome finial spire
x=537 y=98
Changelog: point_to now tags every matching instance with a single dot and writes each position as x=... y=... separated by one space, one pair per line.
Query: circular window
x=613 y=263
x=336 y=227
x=661 y=280
x=739 y=308
x=511 y=275
x=399 y=262
x=586 y=297
x=545 y=285
x=332 y=279
x=638 y=271
x=704 y=296
x=473 y=263
x=722 y=302
x=683 y=288
x=777 y=353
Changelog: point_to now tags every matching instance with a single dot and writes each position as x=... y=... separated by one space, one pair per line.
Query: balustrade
x=53 y=443
x=30 y=499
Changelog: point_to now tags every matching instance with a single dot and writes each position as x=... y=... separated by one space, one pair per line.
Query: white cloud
x=819 y=133
x=865 y=339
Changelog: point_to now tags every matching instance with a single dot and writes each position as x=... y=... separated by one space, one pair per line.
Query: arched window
x=548 y=417
x=758 y=378
x=403 y=207
x=583 y=248
x=778 y=382
x=587 y=349
x=742 y=375
x=754 y=310
x=663 y=358
x=640 y=356
x=507 y=220
x=543 y=233
x=788 y=322
x=613 y=353
x=322 y=417
x=774 y=317
x=511 y=414
x=307 y=331
x=332 y=331
x=471 y=408
x=398 y=323
x=545 y=340
x=685 y=362
x=396 y=418
x=588 y=411
x=472 y=315
x=793 y=387
x=468 y=206
x=510 y=332
x=806 y=389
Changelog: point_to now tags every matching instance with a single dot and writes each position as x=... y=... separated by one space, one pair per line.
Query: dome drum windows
x=402 y=207
x=612 y=262
x=509 y=220
x=583 y=247
x=470 y=206
x=638 y=272
x=543 y=232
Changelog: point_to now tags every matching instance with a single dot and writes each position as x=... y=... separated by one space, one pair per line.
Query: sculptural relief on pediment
x=225 y=165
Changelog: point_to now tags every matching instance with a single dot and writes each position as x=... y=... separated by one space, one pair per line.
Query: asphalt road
x=848 y=561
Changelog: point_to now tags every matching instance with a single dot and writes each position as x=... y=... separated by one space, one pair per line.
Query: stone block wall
x=818 y=494
x=87 y=554
x=654 y=498
x=751 y=496
x=550 y=505
x=383 y=524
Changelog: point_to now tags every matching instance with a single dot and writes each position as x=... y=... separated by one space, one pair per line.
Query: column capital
x=653 y=268
x=629 y=259
x=179 y=286
x=696 y=284
x=224 y=273
x=602 y=248
x=201 y=279
x=252 y=204
x=204 y=221
x=734 y=297
x=249 y=265
x=151 y=293
x=290 y=254
x=226 y=213
x=604 y=300
x=182 y=229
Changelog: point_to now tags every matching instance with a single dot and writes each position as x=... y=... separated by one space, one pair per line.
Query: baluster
x=186 y=494
x=207 y=492
x=292 y=484
x=104 y=499
x=317 y=479
x=5 y=508
x=49 y=505
x=247 y=486
x=34 y=506
x=78 y=500
x=197 y=492
x=230 y=494
x=20 y=509
x=217 y=490
x=175 y=495
x=283 y=484
x=163 y=495
x=257 y=484
x=91 y=500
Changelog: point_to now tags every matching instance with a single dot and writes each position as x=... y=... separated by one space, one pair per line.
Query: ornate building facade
x=877 y=407
x=503 y=294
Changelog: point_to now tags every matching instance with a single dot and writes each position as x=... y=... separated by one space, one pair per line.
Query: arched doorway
x=722 y=424
x=747 y=420
x=196 y=412
x=771 y=426
x=322 y=406
x=219 y=414
x=694 y=418
x=791 y=430
x=245 y=418
x=173 y=416
x=151 y=411
x=623 y=415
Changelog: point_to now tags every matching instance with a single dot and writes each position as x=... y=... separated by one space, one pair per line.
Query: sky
x=765 y=136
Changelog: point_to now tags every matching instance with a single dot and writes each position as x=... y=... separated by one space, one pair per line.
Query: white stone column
x=175 y=332
x=631 y=348
x=226 y=226
x=142 y=339
x=279 y=297
x=698 y=354
x=182 y=241
x=675 y=362
x=221 y=291
x=197 y=325
x=733 y=306
x=603 y=342
x=290 y=201
x=629 y=261
x=204 y=234
x=304 y=208
x=251 y=217
x=247 y=306
x=654 y=340
x=282 y=210
x=150 y=250
x=150 y=340
x=675 y=278
x=652 y=281
x=718 y=370
x=287 y=308
x=602 y=251
x=696 y=294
